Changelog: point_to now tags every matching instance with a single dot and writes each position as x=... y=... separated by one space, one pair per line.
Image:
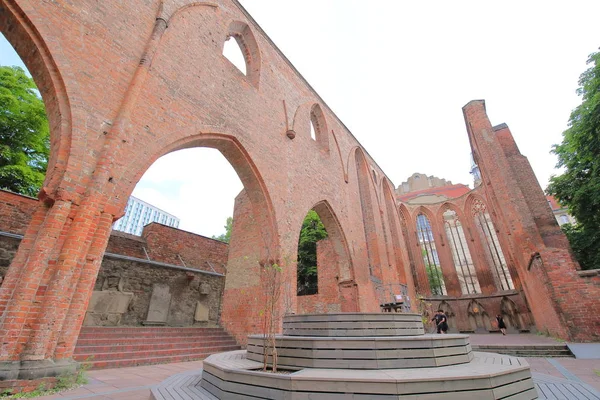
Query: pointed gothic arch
x=453 y=226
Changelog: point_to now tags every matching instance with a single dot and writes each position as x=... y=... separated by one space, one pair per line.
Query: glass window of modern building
x=138 y=213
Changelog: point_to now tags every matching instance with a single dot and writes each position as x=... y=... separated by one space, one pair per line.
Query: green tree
x=584 y=243
x=24 y=133
x=225 y=237
x=434 y=275
x=578 y=187
x=312 y=231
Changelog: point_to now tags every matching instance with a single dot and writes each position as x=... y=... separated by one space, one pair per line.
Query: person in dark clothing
x=441 y=321
x=501 y=324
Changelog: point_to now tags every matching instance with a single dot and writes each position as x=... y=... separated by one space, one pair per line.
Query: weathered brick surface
x=127 y=83
x=562 y=302
x=327 y=298
x=15 y=212
x=174 y=246
x=138 y=277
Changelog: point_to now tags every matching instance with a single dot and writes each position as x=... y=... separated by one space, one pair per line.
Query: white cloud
x=197 y=185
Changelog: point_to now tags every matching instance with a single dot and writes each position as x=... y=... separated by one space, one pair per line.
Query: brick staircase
x=529 y=350
x=115 y=347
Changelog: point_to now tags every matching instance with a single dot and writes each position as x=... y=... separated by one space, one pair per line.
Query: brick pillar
x=62 y=284
x=23 y=280
x=508 y=202
x=83 y=291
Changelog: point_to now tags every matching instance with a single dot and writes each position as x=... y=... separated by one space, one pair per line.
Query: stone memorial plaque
x=158 y=311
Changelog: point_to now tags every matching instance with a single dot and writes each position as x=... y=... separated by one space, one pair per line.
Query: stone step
x=143 y=339
x=153 y=353
x=558 y=350
x=133 y=362
x=91 y=335
x=158 y=329
x=136 y=346
x=113 y=347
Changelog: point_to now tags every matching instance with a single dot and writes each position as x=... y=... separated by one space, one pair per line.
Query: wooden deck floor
x=186 y=386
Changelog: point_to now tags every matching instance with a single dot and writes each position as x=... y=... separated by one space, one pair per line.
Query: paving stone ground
x=136 y=382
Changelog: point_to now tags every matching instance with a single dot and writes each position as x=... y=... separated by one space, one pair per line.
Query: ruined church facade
x=126 y=84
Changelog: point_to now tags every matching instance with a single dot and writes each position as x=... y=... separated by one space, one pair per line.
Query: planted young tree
x=272 y=284
x=24 y=133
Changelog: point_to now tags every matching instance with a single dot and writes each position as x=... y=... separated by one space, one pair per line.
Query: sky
x=398 y=73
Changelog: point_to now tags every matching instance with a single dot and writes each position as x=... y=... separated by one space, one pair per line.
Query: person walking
x=441 y=322
x=501 y=324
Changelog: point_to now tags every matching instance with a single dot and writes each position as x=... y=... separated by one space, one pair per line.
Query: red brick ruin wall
x=119 y=97
x=15 y=212
x=457 y=304
x=327 y=299
x=161 y=243
x=151 y=104
x=562 y=298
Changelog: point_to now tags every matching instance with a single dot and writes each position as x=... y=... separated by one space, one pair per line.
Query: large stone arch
x=33 y=50
x=254 y=240
x=463 y=253
x=337 y=236
x=337 y=285
x=242 y=163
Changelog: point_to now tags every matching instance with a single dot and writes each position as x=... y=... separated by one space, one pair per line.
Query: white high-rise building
x=139 y=214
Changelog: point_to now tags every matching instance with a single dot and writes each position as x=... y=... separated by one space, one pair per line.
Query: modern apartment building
x=139 y=213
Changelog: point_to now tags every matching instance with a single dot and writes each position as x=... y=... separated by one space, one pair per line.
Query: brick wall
x=562 y=301
x=15 y=211
x=158 y=242
x=175 y=246
x=138 y=277
x=327 y=299
x=163 y=244
x=123 y=100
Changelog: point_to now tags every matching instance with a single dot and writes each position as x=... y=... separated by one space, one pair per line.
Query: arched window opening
x=318 y=127
x=463 y=262
x=430 y=256
x=312 y=231
x=24 y=127
x=492 y=248
x=232 y=50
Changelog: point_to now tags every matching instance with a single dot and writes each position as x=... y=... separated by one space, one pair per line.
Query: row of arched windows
x=461 y=255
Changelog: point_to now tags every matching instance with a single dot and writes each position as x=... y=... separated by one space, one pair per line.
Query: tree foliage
x=435 y=277
x=225 y=237
x=584 y=243
x=578 y=188
x=24 y=133
x=312 y=231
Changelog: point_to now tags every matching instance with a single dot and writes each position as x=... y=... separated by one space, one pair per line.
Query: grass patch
x=63 y=382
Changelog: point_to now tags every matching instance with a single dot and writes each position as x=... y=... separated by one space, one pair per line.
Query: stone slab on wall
x=184 y=286
x=107 y=307
x=160 y=302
